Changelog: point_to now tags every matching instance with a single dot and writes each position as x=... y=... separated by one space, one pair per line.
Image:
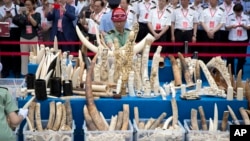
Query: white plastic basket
x=117 y=135
x=14 y=85
x=205 y=135
x=48 y=134
x=159 y=134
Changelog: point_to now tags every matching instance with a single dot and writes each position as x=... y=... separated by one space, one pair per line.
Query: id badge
x=93 y=30
x=184 y=24
x=211 y=24
x=28 y=29
x=59 y=23
x=146 y=16
x=158 y=26
x=44 y=24
x=239 y=32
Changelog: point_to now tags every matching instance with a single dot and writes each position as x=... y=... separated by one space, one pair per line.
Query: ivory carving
x=138 y=78
x=104 y=66
x=185 y=69
x=144 y=64
x=119 y=85
x=131 y=84
x=176 y=71
x=208 y=75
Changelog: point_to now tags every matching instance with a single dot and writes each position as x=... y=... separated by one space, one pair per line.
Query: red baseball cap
x=118 y=15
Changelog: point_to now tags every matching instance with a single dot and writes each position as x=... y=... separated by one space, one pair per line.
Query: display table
x=148 y=107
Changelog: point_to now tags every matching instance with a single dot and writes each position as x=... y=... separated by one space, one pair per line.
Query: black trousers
x=241 y=60
x=210 y=49
x=143 y=31
x=182 y=36
x=70 y=48
x=11 y=62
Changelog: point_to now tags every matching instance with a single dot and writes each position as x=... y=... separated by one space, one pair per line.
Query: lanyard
x=147 y=6
x=238 y=19
x=184 y=12
x=212 y=13
x=98 y=16
x=228 y=8
x=160 y=13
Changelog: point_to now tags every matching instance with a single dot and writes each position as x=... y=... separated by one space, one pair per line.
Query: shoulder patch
x=221 y=9
x=153 y=2
x=169 y=11
x=192 y=8
x=153 y=7
x=111 y=31
x=231 y=14
x=177 y=7
x=132 y=11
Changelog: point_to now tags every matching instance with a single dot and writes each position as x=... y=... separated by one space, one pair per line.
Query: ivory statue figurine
x=176 y=71
x=104 y=66
x=154 y=76
x=118 y=86
x=111 y=73
x=138 y=78
x=124 y=77
x=117 y=60
x=208 y=75
x=131 y=89
x=144 y=64
x=185 y=69
x=97 y=75
x=64 y=65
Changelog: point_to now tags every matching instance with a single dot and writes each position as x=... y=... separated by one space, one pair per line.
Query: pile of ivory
x=58 y=127
x=124 y=66
x=159 y=129
x=117 y=127
x=218 y=76
x=211 y=129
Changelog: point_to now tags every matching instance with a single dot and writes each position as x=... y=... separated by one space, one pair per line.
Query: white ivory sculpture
x=220 y=65
x=208 y=75
x=163 y=93
x=138 y=78
x=147 y=89
x=239 y=93
x=166 y=88
x=75 y=78
x=118 y=86
x=117 y=60
x=215 y=122
x=97 y=76
x=144 y=64
x=230 y=93
x=154 y=76
x=111 y=73
x=104 y=66
x=40 y=53
x=183 y=89
x=131 y=83
x=64 y=65
x=198 y=85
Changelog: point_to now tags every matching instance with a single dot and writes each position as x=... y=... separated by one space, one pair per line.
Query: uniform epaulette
x=192 y=8
x=111 y=31
x=4 y=88
x=177 y=7
x=153 y=7
x=139 y=0
x=221 y=9
x=230 y=14
x=204 y=6
x=153 y=2
x=169 y=11
x=132 y=11
x=127 y=29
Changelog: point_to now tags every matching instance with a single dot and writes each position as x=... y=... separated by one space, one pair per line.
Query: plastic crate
x=117 y=135
x=159 y=134
x=47 y=134
x=205 y=135
x=14 y=85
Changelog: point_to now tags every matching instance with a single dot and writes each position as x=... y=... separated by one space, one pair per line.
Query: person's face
x=29 y=5
x=213 y=2
x=228 y=1
x=124 y=4
x=238 y=14
x=119 y=25
x=162 y=3
x=98 y=7
x=6 y=1
x=184 y=2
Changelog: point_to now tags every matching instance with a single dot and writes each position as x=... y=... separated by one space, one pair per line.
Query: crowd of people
x=167 y=20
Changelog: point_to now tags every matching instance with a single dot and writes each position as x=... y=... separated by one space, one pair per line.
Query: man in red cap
x=119 y=18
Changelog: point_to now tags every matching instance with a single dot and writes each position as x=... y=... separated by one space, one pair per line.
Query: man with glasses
x=119 y=18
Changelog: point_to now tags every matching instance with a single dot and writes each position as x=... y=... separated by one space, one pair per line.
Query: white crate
x=202 y=135
x=14 y=85
x=159 y=134
x=117 y=135
x=46 y=134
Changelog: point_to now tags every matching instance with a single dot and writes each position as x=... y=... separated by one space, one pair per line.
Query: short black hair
x=102 y=3
x=238 y=7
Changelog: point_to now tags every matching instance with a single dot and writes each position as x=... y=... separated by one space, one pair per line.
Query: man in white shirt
x=237 y=23
x=80 y=4
x=131 y=15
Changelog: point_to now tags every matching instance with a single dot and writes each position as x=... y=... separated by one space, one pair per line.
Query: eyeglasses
x=119 y=17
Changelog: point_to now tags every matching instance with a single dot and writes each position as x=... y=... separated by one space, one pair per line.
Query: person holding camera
x=9 y=117
x=10 y=62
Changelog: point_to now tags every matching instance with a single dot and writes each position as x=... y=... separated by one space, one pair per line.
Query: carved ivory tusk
x=208 y=75
x=75 y=77
x=211 y=124
x=194 y=122
x=166 y=123
x=224 y=121
x=176 y=71
x=38 y=71
x=244 y=116
x=203 y=118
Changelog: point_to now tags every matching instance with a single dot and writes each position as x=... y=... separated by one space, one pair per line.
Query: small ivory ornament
x=183 y=89
x=239 y=93
x=230 y=93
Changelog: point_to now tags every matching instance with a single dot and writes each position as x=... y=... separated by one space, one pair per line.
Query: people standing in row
x=29 y=33
x=7 y=12
x=131 y=15
x=184 y=25
x=237 y=24
x=159 y=21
